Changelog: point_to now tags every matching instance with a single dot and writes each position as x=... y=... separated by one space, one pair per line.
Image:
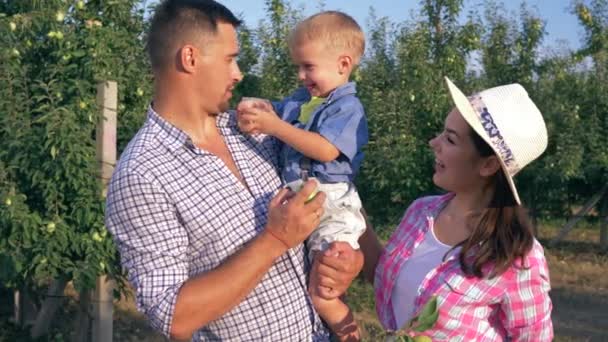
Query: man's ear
x=345 y=64
x=187 y=58
x=489 y=166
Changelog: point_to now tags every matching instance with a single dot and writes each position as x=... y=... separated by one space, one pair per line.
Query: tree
x=402 y=88
x=55 y=52
x=278 y=76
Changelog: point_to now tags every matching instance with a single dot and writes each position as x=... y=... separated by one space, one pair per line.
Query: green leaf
x=429 y=309
x=427 y=316
x=78 y=53
x=427 y=323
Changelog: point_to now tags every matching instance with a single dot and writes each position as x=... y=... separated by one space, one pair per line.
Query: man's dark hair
x=176 y=22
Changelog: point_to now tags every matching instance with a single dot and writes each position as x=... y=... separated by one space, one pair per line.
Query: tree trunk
x=51 y=304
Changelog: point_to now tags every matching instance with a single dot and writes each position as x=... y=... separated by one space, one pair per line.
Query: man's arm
x=153 y=244
x=210 y=295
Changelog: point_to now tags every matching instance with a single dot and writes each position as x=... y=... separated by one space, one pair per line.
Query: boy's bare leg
x=335 y=313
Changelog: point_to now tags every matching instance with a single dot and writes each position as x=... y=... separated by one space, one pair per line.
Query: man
x=209 y=250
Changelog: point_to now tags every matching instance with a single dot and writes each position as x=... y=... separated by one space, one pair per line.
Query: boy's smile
x=319 y=68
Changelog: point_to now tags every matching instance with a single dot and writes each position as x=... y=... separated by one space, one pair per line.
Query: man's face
x=218 y=72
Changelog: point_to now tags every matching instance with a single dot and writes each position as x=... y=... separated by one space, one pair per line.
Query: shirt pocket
x=472 y=290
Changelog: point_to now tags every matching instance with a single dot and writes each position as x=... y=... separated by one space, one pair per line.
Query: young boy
x=323 y=127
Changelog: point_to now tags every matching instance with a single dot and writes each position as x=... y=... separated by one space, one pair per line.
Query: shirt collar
x=174 y=138
x=170 y=136
x=349 y=88
x=433 y=208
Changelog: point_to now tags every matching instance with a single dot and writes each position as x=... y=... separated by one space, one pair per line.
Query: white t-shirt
x=428 y=255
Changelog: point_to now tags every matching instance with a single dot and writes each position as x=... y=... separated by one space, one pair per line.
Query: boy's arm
x=310 y=144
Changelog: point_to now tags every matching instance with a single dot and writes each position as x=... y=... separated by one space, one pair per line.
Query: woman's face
x=458 y=165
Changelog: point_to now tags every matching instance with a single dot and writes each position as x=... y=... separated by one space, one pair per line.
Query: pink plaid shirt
x=514 y=306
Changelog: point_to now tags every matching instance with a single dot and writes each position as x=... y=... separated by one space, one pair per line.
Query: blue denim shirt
x=340 y=120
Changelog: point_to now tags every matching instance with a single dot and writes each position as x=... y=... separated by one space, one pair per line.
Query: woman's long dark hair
x=502 y=233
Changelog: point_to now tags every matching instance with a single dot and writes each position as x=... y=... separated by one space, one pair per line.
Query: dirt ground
x=579 y=277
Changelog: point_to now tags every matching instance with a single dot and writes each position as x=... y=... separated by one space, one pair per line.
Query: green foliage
x=425 y=320
x=400 y=82
x=248 y=58
x=401 y=86
x=278 y=74
x=54 y=54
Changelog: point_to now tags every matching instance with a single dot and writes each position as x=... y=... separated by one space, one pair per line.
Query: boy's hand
x=256 y=116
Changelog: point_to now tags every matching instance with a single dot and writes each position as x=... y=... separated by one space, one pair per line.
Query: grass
x=579 y=278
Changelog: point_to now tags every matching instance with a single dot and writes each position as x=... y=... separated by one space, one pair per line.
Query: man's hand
x=256 y=116
x=291 y=218
x=336 y=268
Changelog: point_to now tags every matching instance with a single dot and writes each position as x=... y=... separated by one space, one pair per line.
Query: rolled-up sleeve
x=152 y=244
x=346 y=128
x=526 y=308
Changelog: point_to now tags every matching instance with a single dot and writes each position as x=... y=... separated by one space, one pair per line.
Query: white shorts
x=342 y=219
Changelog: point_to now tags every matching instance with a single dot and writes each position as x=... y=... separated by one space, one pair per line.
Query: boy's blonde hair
x=336 y=30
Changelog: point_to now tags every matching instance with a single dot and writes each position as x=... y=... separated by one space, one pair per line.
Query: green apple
x=8 y=202
x=97 y=237
x=50 y=228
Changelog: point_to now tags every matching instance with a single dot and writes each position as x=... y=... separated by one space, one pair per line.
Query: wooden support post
x=24 y=310
x=82 y=323
x=604 y=223
x=101 y=305
x=102 y=310
x=107 y=100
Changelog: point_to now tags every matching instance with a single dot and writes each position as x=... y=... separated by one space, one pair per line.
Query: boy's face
x=321 y=70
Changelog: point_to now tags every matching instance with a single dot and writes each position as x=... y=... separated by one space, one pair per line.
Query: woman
x=473 y=248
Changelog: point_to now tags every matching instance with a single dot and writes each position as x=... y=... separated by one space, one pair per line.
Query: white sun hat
x=506 y=118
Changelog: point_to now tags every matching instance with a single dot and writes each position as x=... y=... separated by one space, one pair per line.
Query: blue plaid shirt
x=341 y=120
x=176 y=211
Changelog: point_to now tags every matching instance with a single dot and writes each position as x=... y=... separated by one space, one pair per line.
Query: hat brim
x=472 y=118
